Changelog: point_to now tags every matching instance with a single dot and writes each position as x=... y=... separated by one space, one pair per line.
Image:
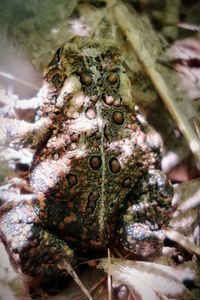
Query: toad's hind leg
x=33 y=249
x=147 y=214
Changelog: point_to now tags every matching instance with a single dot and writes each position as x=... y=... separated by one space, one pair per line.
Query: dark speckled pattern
x=93 y=175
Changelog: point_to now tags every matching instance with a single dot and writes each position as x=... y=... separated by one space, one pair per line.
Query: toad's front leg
x=24 y=133
x=18 y=131
x=32 y=248
x=147 y=214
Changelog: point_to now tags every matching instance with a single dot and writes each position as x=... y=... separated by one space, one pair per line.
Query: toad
x=95 y=174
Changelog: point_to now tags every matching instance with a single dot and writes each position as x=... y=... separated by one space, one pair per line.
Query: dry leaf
x=186 y=198
x=135 y=30
x=11 y=283
x=151 y=281
x=185 y=56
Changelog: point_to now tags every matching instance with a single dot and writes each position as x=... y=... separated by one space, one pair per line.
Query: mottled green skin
x=94 y=174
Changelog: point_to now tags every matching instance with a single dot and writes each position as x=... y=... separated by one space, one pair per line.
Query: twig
x=12 y=77
x=188 y=26
x=64 y=265
x=109 y=278
x=182 y=241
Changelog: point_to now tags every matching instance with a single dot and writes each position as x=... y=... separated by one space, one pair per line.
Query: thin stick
x=128 y=22
x=188 y=26
x=109 y=277
x=182 y=241
x=12 y=77
x=64 y=265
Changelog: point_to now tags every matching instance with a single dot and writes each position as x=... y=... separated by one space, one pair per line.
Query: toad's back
x=97 y=149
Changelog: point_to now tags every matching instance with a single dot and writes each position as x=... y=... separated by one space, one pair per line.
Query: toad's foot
x=149 y=208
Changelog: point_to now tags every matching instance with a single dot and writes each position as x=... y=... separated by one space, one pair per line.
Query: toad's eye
x=55 y=59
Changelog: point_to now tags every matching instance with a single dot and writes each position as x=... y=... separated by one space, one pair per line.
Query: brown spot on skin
x=90 y=113
x=69 y=238
x=70 y=60
x=74 y=137
x=89 y=133
x=117 y=103
x=72 y=146
x=93 y=196
x=98 y=135
x=74 y=191
x=115 y=166
x=82 y=179
x=86 y=79
x=118 y=117
x=84 y=233
x=113 y=78
x=117 y=180
x=58 y=195
x=41 y=199
x=43 y=215
x=106 y=132
x=71 y=218
x=79 y=71
x=113 y=68
x=95 y=144
x=61 y=226
x=95 y=244
x=70 y=204
x=72 y=179
x=94 y=98
x=89 y=210
x=109 y=100
x=95 y=162
x=127 y=182
x=115 y=57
